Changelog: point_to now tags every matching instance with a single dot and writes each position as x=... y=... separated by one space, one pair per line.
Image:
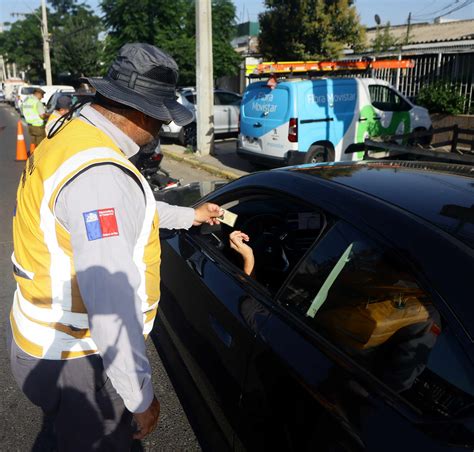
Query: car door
x=354 y=377
x=389 y=112
x=227 y=111
x=201 y=301
x=214 y=308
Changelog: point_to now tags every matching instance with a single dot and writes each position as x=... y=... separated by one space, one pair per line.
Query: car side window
x=280 y=231
x=386 y=99
x=190 y=98
x=358 y=295
x=228 y=99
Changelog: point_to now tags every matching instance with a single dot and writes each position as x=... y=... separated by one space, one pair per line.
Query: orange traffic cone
x=20 y=143
x=32 y=148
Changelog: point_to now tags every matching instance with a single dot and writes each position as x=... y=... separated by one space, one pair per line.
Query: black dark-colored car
x=356 y=330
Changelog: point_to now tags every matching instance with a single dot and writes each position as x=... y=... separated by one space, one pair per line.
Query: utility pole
x=407 y=39
x=45 y=34
x=3 y=73
x=204 y=78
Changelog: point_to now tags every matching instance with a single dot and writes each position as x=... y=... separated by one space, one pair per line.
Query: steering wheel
x=267 y=233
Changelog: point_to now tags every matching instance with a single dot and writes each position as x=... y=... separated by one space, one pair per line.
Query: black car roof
x=439 y=193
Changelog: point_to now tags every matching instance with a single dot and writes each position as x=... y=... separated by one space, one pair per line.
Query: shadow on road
x=225 y=151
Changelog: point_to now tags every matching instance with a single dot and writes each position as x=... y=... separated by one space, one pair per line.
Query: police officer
x=35 y=116
x=87 y=259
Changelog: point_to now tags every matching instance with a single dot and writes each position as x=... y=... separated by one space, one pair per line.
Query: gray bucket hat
x=144 y=78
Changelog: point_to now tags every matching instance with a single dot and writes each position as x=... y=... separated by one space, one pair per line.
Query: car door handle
x=220 y=331
x=375 y=118
x=257 y=124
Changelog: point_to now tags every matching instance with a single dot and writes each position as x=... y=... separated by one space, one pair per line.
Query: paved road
x=20 y=421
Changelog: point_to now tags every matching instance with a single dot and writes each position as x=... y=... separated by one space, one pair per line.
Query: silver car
x=226 y=116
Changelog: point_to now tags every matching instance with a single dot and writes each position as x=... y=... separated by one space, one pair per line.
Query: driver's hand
x=207 y=213
x=237 y=241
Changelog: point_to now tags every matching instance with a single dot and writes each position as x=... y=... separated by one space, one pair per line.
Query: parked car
x=356 y=331
x=75 y=96
x=21 y=93
x=307 y=121
x=2 y=96
x=9 y=86
x=49 y=90
x=226 y=116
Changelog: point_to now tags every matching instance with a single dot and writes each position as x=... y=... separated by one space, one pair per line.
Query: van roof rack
x=343 y=67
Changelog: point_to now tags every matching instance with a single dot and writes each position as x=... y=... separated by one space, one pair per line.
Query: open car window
x=385 y=99
x=281 y=231
x=359 y=296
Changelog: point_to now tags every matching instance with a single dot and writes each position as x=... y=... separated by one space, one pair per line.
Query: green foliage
x=441 y=97
x=171 y=26
x=226 y=59
x=309 y=29
x=74 y=44
x=384 y=40
x=22 y=44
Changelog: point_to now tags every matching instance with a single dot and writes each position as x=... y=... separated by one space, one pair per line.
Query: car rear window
x=262 y=101
x=28 y=90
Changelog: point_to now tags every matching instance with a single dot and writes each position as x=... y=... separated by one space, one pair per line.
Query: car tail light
x=293 y=130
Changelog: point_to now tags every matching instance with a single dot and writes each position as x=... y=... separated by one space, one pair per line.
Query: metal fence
x=454 y=68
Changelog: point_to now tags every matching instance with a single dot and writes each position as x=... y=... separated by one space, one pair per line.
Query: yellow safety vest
x=48 y=318
x=30 y=111
x=53 y=117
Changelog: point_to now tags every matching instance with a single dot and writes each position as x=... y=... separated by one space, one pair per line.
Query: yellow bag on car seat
x=367 y=325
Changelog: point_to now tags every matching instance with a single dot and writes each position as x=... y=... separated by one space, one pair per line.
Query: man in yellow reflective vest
x=63 y=105
x=35 y=116
x=87 y=259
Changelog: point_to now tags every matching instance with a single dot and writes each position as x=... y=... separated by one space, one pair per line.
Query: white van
x=9 y=86
x=323 y=119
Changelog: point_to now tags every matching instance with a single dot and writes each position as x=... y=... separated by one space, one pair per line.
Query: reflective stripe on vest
x=30 y=111
x=53 y=117
x=49 y=319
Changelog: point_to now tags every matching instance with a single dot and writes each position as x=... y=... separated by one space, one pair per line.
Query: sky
x=388 y=10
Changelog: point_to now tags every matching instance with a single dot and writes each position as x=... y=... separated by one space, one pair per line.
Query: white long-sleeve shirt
x=107 y=276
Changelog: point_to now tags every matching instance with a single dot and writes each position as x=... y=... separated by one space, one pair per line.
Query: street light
x=45 y=35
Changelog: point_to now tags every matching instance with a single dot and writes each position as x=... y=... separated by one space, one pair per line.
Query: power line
x=423 y=8
x=435 y=14
x=449 y=5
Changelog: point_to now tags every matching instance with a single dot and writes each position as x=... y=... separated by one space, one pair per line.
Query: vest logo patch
x=100 y=224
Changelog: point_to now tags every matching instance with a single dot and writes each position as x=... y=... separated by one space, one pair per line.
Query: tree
x=22 y=44
x=75 y=47
x=309 y=29
x=384 y=40
x=171 y=26
x=226 y=59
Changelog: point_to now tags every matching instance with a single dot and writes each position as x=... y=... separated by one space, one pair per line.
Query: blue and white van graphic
x=301 y=121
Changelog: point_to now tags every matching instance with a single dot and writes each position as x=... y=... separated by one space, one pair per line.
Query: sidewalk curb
x=195 y=163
